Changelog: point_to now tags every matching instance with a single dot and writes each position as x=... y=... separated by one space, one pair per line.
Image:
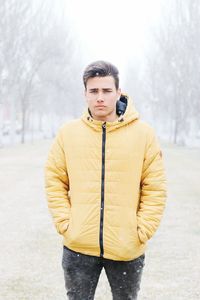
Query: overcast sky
x=111 y=30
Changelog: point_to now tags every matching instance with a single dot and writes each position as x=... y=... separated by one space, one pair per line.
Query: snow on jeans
x=81 y=273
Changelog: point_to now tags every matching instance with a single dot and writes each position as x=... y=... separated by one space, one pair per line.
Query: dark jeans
x=82 y=273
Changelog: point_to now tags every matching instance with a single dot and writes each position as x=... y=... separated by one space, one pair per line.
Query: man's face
x=101 y=96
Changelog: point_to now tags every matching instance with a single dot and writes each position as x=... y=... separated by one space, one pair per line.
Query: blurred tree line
x=41 y=64
x=167 y=86
x=39 y=70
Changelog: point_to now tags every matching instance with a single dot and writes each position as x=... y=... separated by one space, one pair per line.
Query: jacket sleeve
x=152 y=192
x=57 y=185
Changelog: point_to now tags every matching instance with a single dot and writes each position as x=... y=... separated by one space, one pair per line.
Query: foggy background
x=45 y=46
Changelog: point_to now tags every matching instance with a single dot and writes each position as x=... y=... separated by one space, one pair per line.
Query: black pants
x=82 y=273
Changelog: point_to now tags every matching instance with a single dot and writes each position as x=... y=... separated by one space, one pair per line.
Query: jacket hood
x=126 y=114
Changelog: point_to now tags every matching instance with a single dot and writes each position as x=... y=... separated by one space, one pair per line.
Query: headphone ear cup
x=120 y=107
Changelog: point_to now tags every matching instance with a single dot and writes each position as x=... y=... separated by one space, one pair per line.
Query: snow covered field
x=30 y=248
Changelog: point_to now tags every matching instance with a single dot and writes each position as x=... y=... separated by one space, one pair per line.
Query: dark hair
x=101 y=68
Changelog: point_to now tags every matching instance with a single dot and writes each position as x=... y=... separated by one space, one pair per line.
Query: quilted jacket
x=105 y=185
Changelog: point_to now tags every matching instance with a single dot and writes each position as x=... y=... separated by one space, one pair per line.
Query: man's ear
x=85 y=95
x=119 y=92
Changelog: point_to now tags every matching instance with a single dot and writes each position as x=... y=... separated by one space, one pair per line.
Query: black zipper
x=102 y=189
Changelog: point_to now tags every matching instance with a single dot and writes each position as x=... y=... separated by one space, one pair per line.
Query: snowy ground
x=30 y=249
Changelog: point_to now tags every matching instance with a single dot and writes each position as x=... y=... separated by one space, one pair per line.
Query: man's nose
x=100 y=97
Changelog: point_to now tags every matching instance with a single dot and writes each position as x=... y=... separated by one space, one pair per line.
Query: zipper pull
x=104 y=125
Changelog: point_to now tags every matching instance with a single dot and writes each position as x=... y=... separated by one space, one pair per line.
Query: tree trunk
x=12 y=121
x=23 y=125
x=175 y=132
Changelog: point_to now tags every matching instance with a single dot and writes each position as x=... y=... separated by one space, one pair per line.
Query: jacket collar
x=126 y=114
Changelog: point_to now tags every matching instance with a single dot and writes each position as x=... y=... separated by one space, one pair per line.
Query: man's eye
x=93 y=91
x=107 y=91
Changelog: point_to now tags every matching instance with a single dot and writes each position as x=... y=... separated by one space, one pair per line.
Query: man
x=105 y=185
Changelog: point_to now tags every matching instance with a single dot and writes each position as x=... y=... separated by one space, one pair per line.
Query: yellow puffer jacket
x=105 y=185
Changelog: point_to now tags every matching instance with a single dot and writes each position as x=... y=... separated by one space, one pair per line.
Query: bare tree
x=37 y=62
x=175 y=78
x=170 y=78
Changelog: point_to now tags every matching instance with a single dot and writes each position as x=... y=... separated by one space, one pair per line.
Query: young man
x=105 y=186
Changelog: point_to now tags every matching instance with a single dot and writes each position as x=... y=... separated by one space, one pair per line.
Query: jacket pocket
x=136 y=230
x=65 y=233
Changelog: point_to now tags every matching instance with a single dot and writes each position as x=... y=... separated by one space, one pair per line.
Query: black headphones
x=120 y=107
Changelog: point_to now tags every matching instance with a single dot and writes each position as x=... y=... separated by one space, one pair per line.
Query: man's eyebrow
x=104 y=89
